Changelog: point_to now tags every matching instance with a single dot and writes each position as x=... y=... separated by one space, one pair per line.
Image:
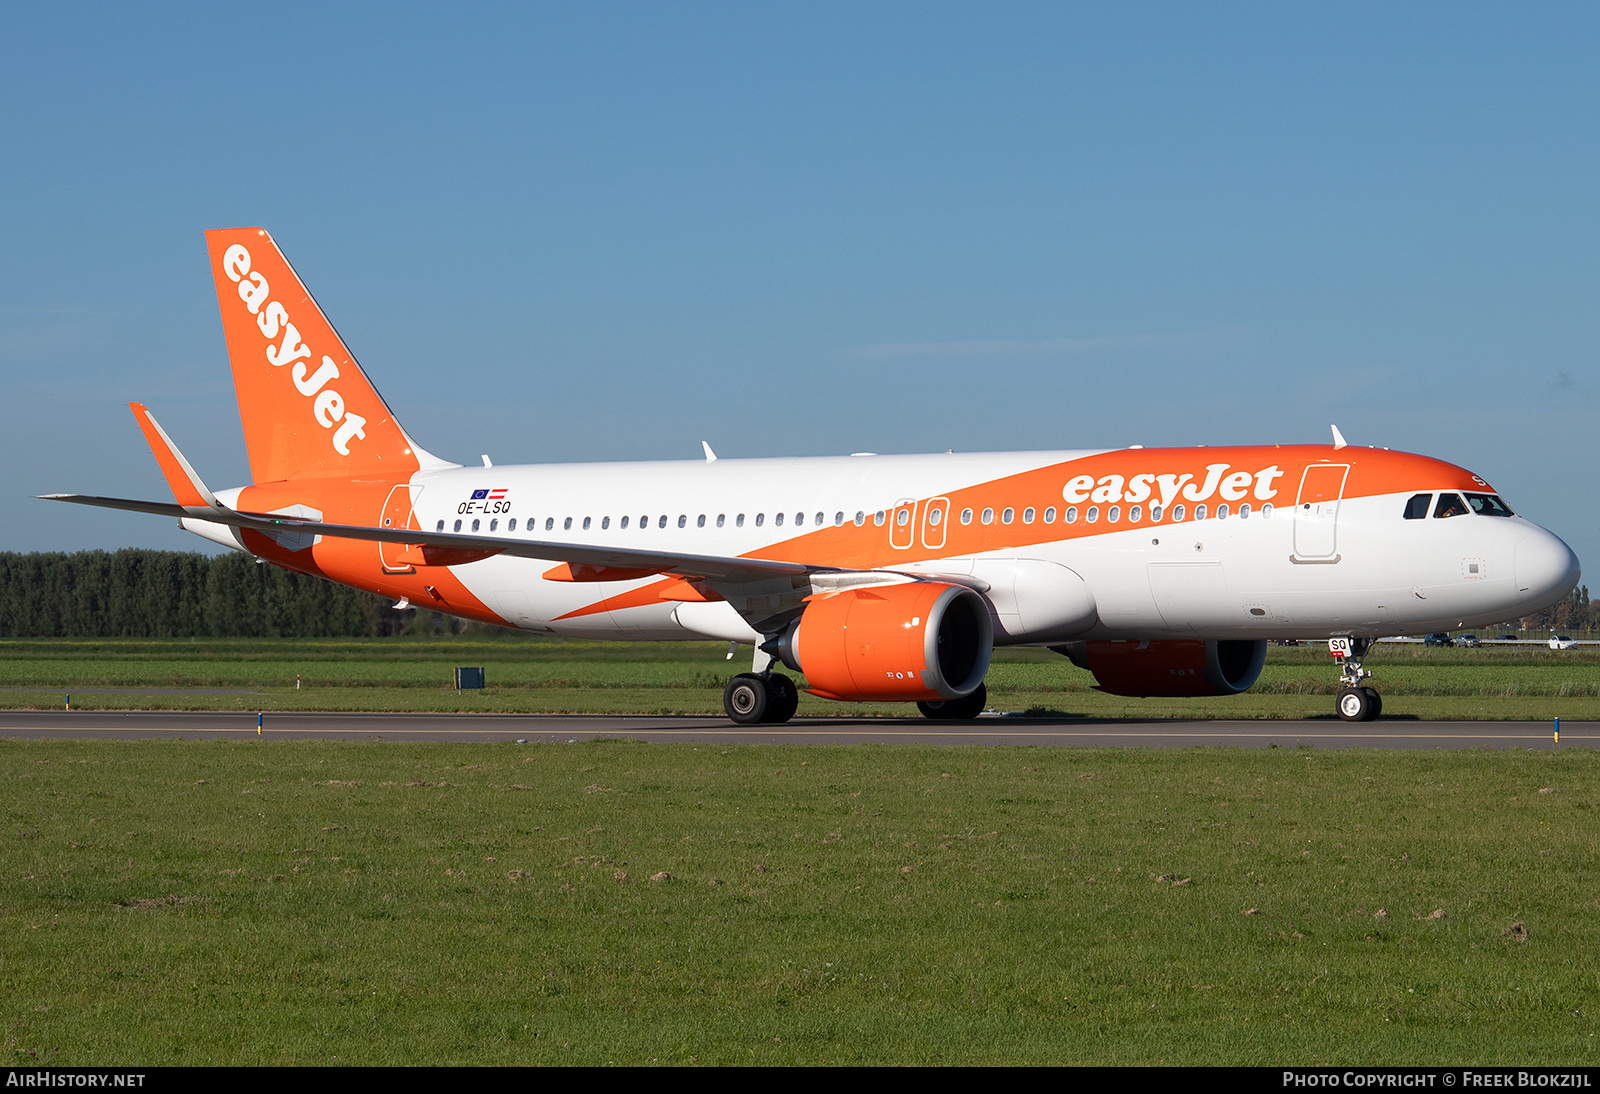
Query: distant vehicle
x=1561 y=642
x=1440 y=639
x=1287 y=642
x=1470 y=641
x=1506 y=638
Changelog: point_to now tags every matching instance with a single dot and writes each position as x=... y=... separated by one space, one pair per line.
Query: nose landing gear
x=1356 y=703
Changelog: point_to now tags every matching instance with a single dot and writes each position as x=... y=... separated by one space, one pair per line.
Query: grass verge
x=173 y=902
x=529 y=675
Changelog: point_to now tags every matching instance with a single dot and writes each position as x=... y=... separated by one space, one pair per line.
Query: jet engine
x=1199 y=667
x=923 y=640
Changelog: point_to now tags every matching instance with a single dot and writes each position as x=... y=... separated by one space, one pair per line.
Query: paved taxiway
x=988 y=730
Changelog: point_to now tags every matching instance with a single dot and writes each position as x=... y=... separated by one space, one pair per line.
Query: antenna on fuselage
x=1338 y=438
x=711 y=457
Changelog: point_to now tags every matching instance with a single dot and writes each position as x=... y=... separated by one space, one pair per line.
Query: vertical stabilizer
x=307 y=408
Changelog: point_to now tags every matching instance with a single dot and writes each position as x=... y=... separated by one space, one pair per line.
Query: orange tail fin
x=307 y=408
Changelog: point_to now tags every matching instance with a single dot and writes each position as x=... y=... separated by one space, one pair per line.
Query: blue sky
x=591 y=231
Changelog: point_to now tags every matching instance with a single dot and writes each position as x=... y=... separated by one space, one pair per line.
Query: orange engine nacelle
x=1199 y=667
x=923 y=640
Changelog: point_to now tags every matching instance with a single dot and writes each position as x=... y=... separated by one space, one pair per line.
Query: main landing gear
x=753 y=698
x=1356 y=703
x=950 y=710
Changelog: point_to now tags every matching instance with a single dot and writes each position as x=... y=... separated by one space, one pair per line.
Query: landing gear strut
x=755 y=698
x=1356 y=703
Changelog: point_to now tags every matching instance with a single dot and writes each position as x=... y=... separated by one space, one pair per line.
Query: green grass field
x=542 y=675
x=181 y=902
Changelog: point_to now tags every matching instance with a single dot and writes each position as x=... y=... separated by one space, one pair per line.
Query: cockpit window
x=1450 y=505
x=1417 y=507
x=1488 y=505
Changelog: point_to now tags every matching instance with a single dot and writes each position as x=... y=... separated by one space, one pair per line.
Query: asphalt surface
x=987 y=730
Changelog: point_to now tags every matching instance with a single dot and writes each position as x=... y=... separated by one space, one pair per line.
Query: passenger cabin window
x=474 y=525
x=1155 y=512
x=566 y=525
x=511 y=525
x=700 y=521
x=777 y=520
x=1008 y=516
x=1450 y=505
x=1177 y=512
x=1489 y=505
x=1050 y=515
x=1072 y=514
x=605 y=522
x=1199 y=512
x=549 y=523
x=1093 y=514
x=683 y=520
x=1027 y=515
x=1114 y=514
x=722 y=519
x=760 y=517
x=661 y=521
x=440 y=528
x=458 y=526
x=966 y=516
x=838 y=518
x=1135 y=515
x=821 y=518
x=623 y=523
x=879 y=517
x=494 y=525
x=738 y=521
x=861 y=518
x=585 y=524
x=1417 y=507
x=988 y=516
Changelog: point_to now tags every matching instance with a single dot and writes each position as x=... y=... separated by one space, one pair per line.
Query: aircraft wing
x=714 y=567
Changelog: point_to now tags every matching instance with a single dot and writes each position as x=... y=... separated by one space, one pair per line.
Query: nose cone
x=1546 y=568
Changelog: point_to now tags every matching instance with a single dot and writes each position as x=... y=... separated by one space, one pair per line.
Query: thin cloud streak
x=1017 y=347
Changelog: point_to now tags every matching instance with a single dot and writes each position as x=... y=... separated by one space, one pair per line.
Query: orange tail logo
x=307 y=408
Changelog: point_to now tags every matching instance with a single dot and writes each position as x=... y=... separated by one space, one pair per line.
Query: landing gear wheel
x=746 y=699
x=951 y=710
x=1377 y=703
x=1356 y=704
x=784 y=698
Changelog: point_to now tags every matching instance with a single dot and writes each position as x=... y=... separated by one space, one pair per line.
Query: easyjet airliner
x=1162 y=571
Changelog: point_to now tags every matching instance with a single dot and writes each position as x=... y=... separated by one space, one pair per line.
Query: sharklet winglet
x=187 y=487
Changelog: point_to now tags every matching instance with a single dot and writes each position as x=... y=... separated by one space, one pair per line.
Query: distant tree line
x=178 y=594
x=1575 y=613
x=175 y=594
